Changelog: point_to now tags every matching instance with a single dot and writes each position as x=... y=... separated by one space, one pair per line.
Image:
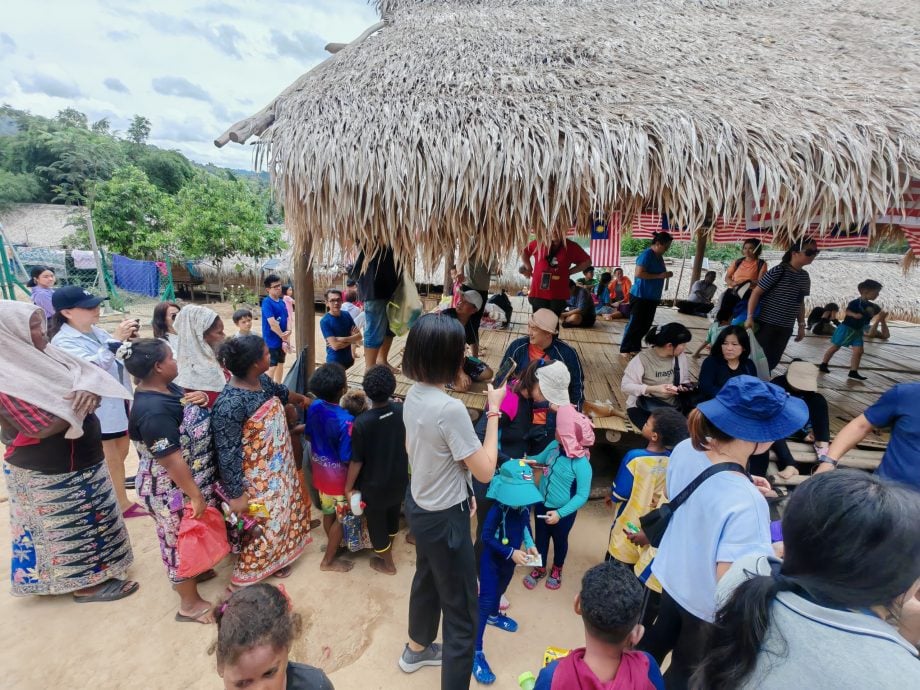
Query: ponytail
x=673 y=333
x=738 y=632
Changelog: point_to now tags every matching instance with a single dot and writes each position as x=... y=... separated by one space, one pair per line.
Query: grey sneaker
x=412 y=661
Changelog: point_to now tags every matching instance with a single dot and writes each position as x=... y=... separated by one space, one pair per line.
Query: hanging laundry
x=136 y=276
x=83 y=259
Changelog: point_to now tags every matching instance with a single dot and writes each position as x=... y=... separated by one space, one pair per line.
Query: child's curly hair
x=354 y=401
x=256 y=615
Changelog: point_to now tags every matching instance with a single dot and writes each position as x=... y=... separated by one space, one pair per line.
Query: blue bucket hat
x=753 y=410
x=513 y=485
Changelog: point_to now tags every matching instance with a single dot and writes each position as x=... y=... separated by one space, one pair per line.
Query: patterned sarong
x=67 y=531
x=268 y=465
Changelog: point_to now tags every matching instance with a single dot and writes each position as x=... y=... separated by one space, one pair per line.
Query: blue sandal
x=503 y=622
x=481 y=671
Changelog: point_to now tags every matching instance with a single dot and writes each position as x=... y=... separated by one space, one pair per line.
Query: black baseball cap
x=74 y=297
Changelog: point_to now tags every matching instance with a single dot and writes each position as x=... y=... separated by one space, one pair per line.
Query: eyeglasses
x=275 y=287
x=334 y=300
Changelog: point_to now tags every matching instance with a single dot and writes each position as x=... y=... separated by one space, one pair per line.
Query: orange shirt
x=747 y=271
x=533 y=354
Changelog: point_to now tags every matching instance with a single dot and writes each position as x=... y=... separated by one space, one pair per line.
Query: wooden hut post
x=305 y=321
x=697 y=268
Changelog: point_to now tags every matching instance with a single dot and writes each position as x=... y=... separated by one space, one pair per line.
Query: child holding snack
x=507 y=527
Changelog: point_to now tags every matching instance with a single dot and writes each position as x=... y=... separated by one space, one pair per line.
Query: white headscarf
x=49 y=378
x=199 y=369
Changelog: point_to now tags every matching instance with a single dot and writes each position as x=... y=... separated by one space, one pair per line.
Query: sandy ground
x=355 y=622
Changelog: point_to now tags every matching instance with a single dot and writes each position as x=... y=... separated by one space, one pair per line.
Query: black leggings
x=641 y=318
x=680 y=632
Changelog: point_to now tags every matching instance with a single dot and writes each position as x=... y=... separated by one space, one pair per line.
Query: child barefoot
x=609 y=604
x=255 y=630
x=859 y=315
x=379 y=464
x=567 y=481
x=506 y=527
x=637 y=490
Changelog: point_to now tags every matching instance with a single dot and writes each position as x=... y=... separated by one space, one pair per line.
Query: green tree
x=218 y=218
x=139 y=129
x=80 y=158
x=168 y=170
x=18 y=188
x=102 y=126
x=132 y=217
x=71 y=117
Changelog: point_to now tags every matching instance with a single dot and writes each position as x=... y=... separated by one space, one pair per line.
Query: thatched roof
x=477 y=120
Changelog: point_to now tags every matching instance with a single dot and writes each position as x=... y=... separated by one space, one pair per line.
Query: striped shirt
x=784 y=290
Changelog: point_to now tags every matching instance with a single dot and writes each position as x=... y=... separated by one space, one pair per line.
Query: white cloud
x=218 y=57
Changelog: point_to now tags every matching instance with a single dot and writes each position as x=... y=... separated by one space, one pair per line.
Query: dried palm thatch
x=465 y=124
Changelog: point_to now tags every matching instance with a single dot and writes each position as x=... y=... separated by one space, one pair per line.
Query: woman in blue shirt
x=646 y=292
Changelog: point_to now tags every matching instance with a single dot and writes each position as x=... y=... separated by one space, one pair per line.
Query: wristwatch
x=828 y=459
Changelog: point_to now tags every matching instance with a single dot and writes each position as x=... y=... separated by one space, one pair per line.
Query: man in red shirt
x=549 y=268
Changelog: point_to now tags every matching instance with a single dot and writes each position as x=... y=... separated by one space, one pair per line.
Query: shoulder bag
x=656 y=522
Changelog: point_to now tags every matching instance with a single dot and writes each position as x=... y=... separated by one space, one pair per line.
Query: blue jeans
x=376 y=324
x=559 y=533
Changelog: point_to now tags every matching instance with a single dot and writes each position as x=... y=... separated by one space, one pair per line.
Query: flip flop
x=134 y=511
x=181 y=618
x=284 y=572
x=110 y=590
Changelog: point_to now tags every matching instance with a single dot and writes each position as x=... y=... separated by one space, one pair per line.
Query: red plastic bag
x=202 y=542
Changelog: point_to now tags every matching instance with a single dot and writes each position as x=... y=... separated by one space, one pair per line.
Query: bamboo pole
x=697 y=269
x=304 y=324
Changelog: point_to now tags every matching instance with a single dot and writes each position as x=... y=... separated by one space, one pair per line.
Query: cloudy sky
x=193 y=67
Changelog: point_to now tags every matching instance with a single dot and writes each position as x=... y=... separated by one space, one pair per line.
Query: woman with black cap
x=724 y=518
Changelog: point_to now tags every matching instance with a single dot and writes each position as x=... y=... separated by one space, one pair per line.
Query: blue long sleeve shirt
x=516 y=530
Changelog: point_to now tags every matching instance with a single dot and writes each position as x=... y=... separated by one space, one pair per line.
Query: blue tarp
x=142 y=277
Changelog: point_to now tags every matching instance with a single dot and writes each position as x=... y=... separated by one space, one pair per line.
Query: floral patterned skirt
x=270 y=474
x=67 y=530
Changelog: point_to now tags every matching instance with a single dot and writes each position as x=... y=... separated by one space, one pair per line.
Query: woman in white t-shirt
x=443 y=451
x=724 y=519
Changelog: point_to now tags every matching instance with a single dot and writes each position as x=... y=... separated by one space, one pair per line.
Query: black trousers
x=444 y=584
x=557 y=306
x=483 y=505
x=641 y=319
x=773 y=341
x=678 y=631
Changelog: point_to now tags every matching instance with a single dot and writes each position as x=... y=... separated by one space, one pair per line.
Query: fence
x=124 y=281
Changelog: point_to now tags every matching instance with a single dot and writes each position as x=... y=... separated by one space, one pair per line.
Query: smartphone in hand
x=504 y=371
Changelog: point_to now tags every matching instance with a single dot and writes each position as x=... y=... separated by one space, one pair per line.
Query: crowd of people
x=698 y=575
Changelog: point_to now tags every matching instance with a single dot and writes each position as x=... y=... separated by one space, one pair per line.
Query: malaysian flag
x=647 y=224
x=909 y=215
x=605 y=240
x=727 y=230
x=837 y=237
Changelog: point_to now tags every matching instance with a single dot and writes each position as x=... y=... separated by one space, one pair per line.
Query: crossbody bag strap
x=680 y=498
x=676 y=372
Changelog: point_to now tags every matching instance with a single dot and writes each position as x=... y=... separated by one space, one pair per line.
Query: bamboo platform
x=886 y=363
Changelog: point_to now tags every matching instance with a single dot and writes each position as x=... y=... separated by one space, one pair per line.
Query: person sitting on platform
x=658 y=374
x=542 y=342
x=701 y=294
x=474 y=369
x=579 y=313
x=823 y=320
x=587 y=279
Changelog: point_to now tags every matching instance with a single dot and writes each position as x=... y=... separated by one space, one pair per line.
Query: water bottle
x=357 y=505
x=527 y=681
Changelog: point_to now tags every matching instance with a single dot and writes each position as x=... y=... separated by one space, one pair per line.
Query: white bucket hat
x=554 y=381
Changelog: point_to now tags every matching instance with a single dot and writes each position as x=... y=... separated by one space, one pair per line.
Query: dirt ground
x=355 y=622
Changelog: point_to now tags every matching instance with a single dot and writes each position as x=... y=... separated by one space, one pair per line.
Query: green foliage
x=217 y=218
x=168 y=170
x=71 y=117
x=139 y=130
x=132 y=217
x=102 y=126
x=17 y=188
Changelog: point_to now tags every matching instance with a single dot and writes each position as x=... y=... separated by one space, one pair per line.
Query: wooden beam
x=305 y=321
x=698 y=257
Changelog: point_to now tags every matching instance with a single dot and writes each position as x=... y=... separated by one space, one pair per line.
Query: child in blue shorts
x=859 y=315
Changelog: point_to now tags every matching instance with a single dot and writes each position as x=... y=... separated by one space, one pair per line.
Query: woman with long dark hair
x=655 y=377
x=443 y=451
x=730 y=357
x=840 y=610
x=724 y=518
x=164 y=314
x=41 y=287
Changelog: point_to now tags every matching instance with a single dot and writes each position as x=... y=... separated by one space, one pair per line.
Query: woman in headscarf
x=68 y=535
x=256 y=461
x=200 y=333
